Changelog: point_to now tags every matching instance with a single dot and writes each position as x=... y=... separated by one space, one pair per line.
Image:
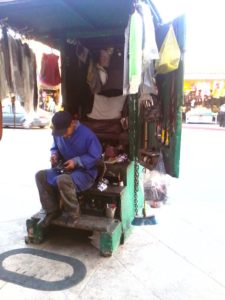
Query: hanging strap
x=172 y=103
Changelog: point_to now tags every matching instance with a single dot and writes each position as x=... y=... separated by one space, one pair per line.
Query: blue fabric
x=85 y=149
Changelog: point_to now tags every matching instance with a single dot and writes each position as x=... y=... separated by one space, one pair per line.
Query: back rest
x=101 y=169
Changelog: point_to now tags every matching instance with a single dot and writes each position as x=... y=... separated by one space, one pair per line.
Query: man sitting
x=79 y=150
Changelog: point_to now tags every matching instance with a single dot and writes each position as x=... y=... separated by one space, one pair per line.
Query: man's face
x=70 y=129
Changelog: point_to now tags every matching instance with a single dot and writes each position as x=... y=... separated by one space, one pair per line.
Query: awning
x=52 y=21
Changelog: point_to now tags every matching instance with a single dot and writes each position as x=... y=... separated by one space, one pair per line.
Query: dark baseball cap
x=60 y=122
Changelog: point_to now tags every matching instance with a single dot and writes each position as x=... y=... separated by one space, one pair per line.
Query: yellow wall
x=215 y=88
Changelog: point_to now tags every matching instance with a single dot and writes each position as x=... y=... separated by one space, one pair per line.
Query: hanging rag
x=135 y=52
x=140 y=50
x=50 y=74
x=4 y=88
x=150 y=49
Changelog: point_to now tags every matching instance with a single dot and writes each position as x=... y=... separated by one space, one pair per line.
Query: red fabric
x=50 y=70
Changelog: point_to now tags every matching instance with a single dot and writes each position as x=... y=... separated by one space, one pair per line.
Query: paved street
x=23 y=152
x=180 y=258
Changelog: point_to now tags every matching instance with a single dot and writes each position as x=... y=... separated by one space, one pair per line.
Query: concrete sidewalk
x=179 y=258
x=202 y=126
x=182 y=257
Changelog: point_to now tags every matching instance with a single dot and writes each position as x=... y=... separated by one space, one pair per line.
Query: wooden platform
x=85 y=222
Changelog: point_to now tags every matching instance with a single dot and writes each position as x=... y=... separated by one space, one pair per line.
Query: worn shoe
x=70 y=218
x=46 y=220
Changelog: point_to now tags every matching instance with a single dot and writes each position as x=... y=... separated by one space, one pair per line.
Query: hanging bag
x=169 y=54
x=150 y=109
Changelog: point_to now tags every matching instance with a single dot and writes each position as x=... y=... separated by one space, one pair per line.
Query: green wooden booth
x=95 y=26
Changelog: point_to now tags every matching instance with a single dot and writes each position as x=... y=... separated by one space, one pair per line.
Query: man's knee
x=40 y=176
x=64 y=179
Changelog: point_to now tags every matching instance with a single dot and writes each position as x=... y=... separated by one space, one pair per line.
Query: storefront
x=209 y=93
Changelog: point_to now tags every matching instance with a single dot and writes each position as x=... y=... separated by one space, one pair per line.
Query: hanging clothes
x=50 y=74
x=140 y=50
x=126 y=60
x=4 y=88
x=17 y=75
x=29 y=71
x=6 y=55
x=18 y=71
x=81 y=52
x=150 y=49
x=93 y=77
x=135 y=52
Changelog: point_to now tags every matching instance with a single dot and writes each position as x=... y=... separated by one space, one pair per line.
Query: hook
x=72 y=41
x=23 y=29
x=29 y=30
x=134 y=5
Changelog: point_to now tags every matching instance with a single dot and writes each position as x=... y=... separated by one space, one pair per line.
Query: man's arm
x=94 y=152
x=54 y=158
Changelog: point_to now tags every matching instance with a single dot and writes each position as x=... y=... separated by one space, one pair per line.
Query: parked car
x=20 y=118
x=200 y=115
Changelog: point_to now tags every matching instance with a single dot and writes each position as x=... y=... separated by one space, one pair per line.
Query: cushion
x=104 y=126
x=107 y=107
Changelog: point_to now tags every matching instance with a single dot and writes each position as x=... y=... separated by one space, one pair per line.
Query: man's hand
x=54 y=159
x=69 y=165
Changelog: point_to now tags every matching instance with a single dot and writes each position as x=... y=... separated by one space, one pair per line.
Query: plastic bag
x=169 y=54
x=155 y=186
x=156 y=182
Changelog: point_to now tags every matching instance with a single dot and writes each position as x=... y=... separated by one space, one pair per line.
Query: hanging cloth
x=4 y=88
x=6 y=54
x=135 y=52
x=29 y=76
x=140 y=50
x=16 y=62
x=149 y=52
x=150 y=49
x=50 y=74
